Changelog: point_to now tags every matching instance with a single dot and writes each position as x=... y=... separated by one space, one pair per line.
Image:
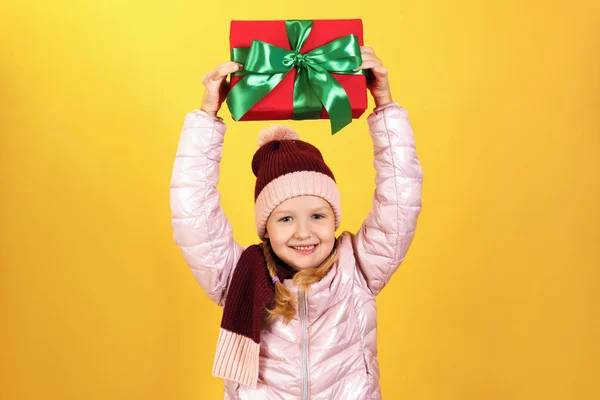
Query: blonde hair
x=282 y=304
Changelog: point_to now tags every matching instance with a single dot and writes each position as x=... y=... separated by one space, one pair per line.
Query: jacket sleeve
x=385 y=236
x=200 y=227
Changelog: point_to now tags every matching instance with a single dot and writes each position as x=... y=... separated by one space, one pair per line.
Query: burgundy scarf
x=250 y=290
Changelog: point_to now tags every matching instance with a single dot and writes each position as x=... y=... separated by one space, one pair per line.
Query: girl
x=299 y=318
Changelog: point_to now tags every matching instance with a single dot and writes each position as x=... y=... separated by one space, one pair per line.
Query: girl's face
x=302 y=231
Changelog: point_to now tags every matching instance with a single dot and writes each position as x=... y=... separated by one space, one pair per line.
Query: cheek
x=279 y=235
x=327 y=234
x=328 y=228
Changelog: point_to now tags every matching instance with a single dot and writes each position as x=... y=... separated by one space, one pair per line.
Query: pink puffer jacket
x=328 y=351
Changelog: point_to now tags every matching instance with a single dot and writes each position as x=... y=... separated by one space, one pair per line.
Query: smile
x=305 y=249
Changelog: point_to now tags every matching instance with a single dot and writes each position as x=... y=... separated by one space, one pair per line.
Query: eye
x=285 y=219
x=318 y=216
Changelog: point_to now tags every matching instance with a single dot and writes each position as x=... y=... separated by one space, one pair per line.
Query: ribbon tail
x=239 y=54
x=333 y=97
x=307 y=104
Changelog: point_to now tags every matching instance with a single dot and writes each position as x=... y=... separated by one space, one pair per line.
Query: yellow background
x=498 y=297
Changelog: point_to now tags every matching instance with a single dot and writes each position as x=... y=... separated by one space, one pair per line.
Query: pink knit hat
x=287 y=167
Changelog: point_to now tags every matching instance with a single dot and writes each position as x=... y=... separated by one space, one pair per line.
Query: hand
x=217 y=87
x=377 y=82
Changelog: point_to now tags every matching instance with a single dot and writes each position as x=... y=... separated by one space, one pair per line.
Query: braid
x=283 y=302
x=307 y=277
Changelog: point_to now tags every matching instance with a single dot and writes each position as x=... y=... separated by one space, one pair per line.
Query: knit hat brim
x=300 y=183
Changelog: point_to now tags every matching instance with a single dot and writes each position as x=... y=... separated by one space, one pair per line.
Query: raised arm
x=386 y=234
x=200 y=227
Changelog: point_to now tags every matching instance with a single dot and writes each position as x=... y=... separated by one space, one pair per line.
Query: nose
x=302 y=231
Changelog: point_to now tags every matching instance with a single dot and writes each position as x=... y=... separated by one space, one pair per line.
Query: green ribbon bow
x=265 y=66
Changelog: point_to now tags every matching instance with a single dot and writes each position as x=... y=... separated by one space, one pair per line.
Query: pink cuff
x=204 y=114
x=377 y=110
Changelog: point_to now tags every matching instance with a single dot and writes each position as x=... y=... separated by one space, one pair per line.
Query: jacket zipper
x=304 y=345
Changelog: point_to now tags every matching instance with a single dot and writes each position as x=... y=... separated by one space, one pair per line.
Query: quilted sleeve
x=386 y=234
x=200 y=228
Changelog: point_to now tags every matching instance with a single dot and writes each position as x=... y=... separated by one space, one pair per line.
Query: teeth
x=304 y=247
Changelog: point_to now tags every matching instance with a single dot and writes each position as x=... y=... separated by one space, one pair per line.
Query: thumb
x=380 y=72
x=211 y=80
x=216 y=77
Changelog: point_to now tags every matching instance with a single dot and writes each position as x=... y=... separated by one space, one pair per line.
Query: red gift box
x=278 y=104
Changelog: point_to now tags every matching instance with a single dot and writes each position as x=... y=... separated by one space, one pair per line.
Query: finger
x=226 y=65
x=370 y=57
x=223 y=70
x=206 y=79
x=369 y=64
x=211 y=78
x=367 y=49
x=380 y=71
x=216 y=76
